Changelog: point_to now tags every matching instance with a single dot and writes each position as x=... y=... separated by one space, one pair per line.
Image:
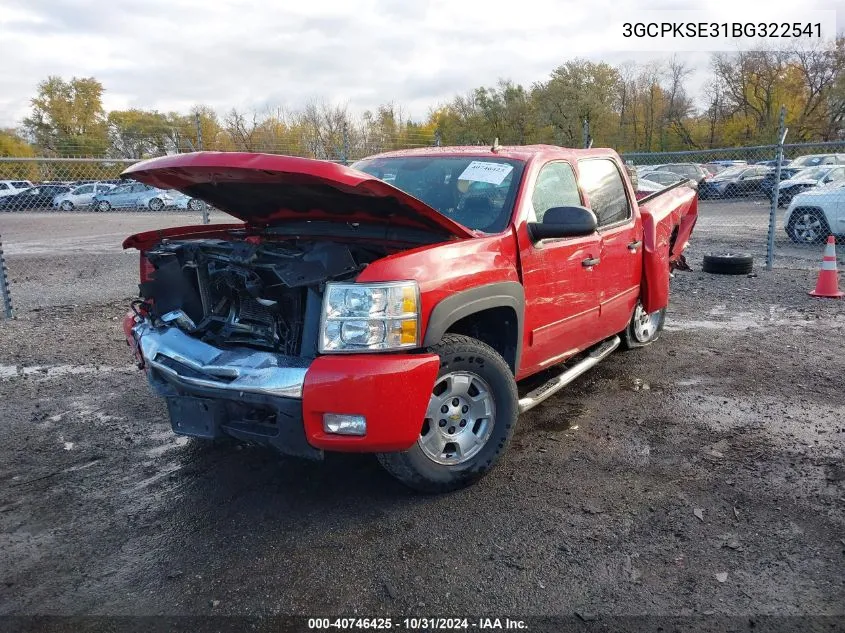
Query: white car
x=81 y=196
x=808 y=179
x=815 y=214
x=11 y=187
x=181 y=201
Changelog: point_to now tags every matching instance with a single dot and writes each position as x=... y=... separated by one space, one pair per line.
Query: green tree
x=13 y=146
x=138 y=133
x=579 y=91
x=67 y=117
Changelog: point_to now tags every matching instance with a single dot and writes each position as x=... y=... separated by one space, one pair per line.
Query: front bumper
x=279 y=400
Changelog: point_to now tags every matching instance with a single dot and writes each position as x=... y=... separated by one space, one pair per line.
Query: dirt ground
x=702 y=475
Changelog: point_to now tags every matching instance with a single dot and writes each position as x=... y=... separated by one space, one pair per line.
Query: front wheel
x=469 y=421
x=644 y=328
x=103 y=206
x=66 y=205
x=195 y=204
x=156 y=204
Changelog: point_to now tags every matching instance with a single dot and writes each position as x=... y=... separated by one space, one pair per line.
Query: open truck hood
x=267 y=190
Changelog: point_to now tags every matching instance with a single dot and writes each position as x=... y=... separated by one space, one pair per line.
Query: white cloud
x=171 y=54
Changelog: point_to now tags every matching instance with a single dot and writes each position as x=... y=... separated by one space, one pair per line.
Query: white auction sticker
x=480 y=171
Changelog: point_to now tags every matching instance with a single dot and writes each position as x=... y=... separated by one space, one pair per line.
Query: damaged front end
x=258 y=294
x=226 y=330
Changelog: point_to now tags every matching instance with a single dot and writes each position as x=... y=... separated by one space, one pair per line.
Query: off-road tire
x=728 y=263
x=462 y=354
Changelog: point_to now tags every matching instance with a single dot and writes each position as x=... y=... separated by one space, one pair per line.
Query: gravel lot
x=702 y=475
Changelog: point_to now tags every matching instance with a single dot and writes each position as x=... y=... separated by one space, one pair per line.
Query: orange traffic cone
x=828 y=283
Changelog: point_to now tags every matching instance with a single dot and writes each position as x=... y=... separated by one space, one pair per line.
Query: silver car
x=81 y=196
x=133 y=195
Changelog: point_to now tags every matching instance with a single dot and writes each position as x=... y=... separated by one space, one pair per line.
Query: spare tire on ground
x=728 y=263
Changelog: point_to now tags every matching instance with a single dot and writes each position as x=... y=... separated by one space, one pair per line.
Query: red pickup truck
x=392 y=306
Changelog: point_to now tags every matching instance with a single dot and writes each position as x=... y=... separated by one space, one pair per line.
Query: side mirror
x=563 y=222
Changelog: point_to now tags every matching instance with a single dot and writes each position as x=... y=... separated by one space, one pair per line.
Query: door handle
x=590 y=262
x=634 y=246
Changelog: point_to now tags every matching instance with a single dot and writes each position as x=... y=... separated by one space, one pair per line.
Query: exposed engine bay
x=248 y=293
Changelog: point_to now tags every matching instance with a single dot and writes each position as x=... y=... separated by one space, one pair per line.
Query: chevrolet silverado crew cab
x=393 y=306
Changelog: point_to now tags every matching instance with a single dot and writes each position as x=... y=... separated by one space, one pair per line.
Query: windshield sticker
x=479 y=171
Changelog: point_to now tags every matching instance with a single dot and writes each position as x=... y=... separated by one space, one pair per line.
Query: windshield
x=813 y=173
x=475 y=191
x=732 y=171
x=807 y=161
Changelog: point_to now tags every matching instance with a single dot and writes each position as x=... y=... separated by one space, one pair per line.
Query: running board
x=550 y=388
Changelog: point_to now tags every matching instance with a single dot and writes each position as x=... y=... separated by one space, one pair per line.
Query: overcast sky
x=172 y=54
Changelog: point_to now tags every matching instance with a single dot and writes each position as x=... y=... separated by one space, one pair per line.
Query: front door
x=561 y=306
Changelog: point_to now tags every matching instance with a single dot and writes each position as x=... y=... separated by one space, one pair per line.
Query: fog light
x=342 y=424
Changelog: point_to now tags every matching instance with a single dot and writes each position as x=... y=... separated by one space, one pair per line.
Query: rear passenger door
x=619 y=271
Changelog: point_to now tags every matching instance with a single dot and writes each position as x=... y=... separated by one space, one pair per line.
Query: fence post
x=344 y=156
x=773 y=213
x=438 y=139
x=199 y=130
x=586 y=133
x=4 y=286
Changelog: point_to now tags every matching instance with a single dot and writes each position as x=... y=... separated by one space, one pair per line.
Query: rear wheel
x=156 y=204
x=807 y=226
x=644 y=327
x=469 y=421
x=66 y=205
x=195 y=204
x=103 y=205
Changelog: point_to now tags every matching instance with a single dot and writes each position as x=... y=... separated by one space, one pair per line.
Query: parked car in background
x=718 y=166
x=814 y=160
x=133 y=195
x=666 y=178
x=734 y=182
x=807 y=179
x=645 y=188
x=693 y=171
x=182 y=201
x=773 y=163
x=768 y=182
x=33 y=198
x=817 y=213
x=11 y=187
x=81 y=196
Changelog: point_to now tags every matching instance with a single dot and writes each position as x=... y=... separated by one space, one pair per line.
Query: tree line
x=631 y=107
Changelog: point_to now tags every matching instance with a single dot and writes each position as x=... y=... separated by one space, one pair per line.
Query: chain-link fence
x=744 y=191
x=62 y=220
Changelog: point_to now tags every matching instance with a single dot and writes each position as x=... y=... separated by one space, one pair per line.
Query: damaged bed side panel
x=668 y=221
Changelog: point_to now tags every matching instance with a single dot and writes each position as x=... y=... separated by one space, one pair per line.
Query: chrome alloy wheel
x=459 y=419
x=645 y=324
x=808 y=228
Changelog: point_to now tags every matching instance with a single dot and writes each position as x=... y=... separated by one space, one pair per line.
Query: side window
x=85 y=189
x=603 y=185
x=556 y=187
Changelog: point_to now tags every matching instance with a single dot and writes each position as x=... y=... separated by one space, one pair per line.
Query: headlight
x=370 y=317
